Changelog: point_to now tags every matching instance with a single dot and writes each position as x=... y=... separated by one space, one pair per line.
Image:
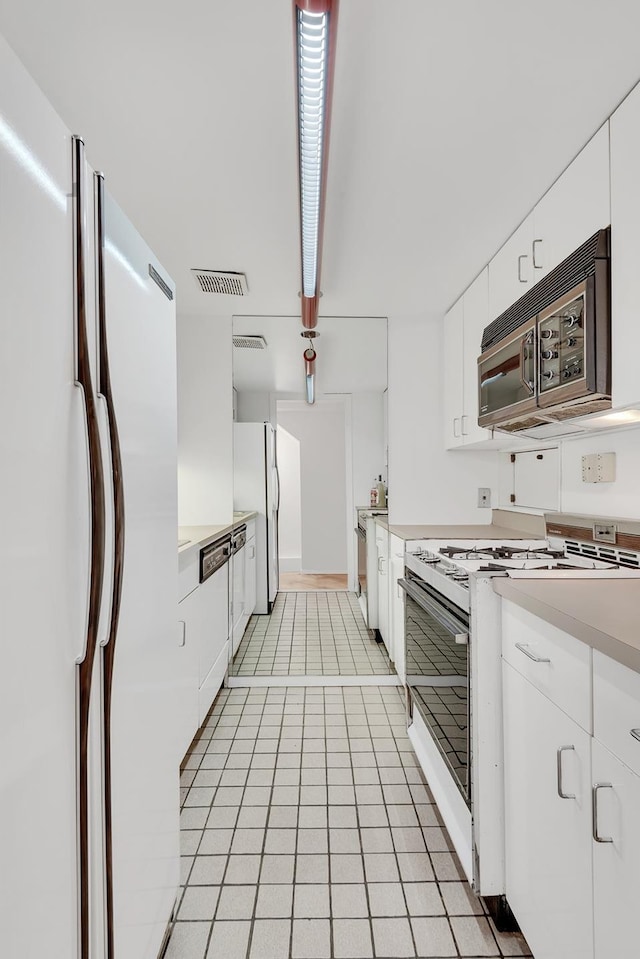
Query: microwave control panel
x=561 y=346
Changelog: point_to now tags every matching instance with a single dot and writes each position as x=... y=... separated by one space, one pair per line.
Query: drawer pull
x=594 y=808
x=525 y=649
x=636 y=734
x=563 y=795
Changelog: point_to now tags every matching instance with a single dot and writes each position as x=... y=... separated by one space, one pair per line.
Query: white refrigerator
x=256 y=487
x=89 y=794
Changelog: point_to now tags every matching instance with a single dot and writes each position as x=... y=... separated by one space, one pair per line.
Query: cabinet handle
x=636 y=734
x=462 y=639
x=456 y=420
x=562 y=794
x=525 y=649
x=380 y=564
x=462 y=419
x=182 y=639
x=536 y=265
x=594 y=809
x=521 y=278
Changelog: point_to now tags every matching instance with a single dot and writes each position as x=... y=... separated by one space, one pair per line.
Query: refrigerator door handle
x=109 y=648
x=97 y=522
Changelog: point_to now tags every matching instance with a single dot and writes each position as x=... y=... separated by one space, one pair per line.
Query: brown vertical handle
x=85 y=666
x=108 y=652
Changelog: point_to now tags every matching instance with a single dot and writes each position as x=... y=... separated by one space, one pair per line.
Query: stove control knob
x=549 y=354
x=548 y=374
x=566 y=374
x=571 y=340
x=547 y=334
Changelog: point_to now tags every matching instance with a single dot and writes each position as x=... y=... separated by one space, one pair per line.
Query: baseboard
x=262 y=681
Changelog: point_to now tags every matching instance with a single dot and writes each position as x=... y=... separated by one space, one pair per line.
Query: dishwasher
x=213 y=612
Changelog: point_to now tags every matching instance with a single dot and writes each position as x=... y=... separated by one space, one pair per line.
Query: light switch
x=599 y=468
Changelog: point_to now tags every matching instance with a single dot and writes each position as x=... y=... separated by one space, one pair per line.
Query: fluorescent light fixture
x=616 y=418
x=313 y=55
x=311 y=397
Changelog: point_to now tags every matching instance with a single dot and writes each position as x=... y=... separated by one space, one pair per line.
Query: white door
x=140 y=323
x=576 y=206
x=547 y=838
x=616 y=864
x=44 y=517
x=453 y=347
x=238 y=563
x=511 y=270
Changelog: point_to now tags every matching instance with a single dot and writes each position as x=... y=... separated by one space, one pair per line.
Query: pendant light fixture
x=315 y=40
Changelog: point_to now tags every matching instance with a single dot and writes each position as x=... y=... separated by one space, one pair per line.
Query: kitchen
x=502 y=219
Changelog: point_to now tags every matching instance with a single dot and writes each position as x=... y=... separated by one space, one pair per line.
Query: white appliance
x=89 y=775
x=256 y=487
x=453 y=666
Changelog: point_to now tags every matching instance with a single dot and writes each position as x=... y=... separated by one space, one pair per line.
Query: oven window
x=508 y=377
x=438 y=675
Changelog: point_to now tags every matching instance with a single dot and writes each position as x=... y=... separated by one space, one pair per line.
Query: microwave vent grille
x=572 y=271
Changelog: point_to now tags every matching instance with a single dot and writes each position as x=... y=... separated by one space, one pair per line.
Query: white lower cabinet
x=237 y=596
x=250 y=582
x=214 y=638
x=382 y=549
x=396 y=604
x=616 y=856
x=547 y=822
x=190 y=626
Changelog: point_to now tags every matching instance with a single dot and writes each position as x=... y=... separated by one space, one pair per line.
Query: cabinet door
x=476 y=317
x=625 y=250
x=250 y=577
x=396 y=611
x=191 y=626
x=511 y=270
x=453 y=347
x=574 y=208
x=547 y=838
x=616 y=865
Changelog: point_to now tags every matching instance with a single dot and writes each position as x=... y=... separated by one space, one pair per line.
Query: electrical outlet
x=484 y=497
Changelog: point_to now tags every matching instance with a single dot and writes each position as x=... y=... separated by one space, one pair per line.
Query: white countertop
x=469 y=531
x=199 y=536
x=603 y=613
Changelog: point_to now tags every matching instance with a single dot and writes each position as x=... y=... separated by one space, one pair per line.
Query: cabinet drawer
x=557 y=664
x=616 y=709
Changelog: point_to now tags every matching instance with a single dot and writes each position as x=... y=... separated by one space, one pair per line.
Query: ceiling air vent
x=215 y=281
x=250 y=342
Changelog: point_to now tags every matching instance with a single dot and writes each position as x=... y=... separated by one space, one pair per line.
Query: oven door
x=507 y=377
x=437 y=673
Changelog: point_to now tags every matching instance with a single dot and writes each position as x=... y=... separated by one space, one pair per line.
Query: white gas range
x=453 y=666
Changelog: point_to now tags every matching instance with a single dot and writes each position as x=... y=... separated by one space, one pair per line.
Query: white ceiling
x=352 y=355
x=450 y=120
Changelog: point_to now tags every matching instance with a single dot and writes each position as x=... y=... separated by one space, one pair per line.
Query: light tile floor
x=309 y=833
x=313 y=634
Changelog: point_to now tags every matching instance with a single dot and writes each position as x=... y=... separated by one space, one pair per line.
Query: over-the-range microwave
x=548 y=357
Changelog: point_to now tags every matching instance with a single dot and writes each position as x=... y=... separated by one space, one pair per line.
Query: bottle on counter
x=382 y=494
x=373 y=494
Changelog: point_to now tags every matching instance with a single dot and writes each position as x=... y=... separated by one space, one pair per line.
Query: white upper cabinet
x=476 y=318
x=511 y=270
x=463 y=328
x=625 y=250
x=452 y=388
x=576 y=206
x=568 y=214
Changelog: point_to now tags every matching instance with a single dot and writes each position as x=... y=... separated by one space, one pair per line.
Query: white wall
x=320 y=430
x=620 y=498
x=253 y=406
x=427 y=484
x=290 y=513
x=205 y=421
x=367 y=424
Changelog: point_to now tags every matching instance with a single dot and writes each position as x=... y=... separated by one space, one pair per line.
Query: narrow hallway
x=308 y=832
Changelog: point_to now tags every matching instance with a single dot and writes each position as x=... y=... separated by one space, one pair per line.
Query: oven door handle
x=454 y=626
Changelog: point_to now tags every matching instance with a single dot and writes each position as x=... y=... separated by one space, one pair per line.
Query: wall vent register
x=218 y=281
